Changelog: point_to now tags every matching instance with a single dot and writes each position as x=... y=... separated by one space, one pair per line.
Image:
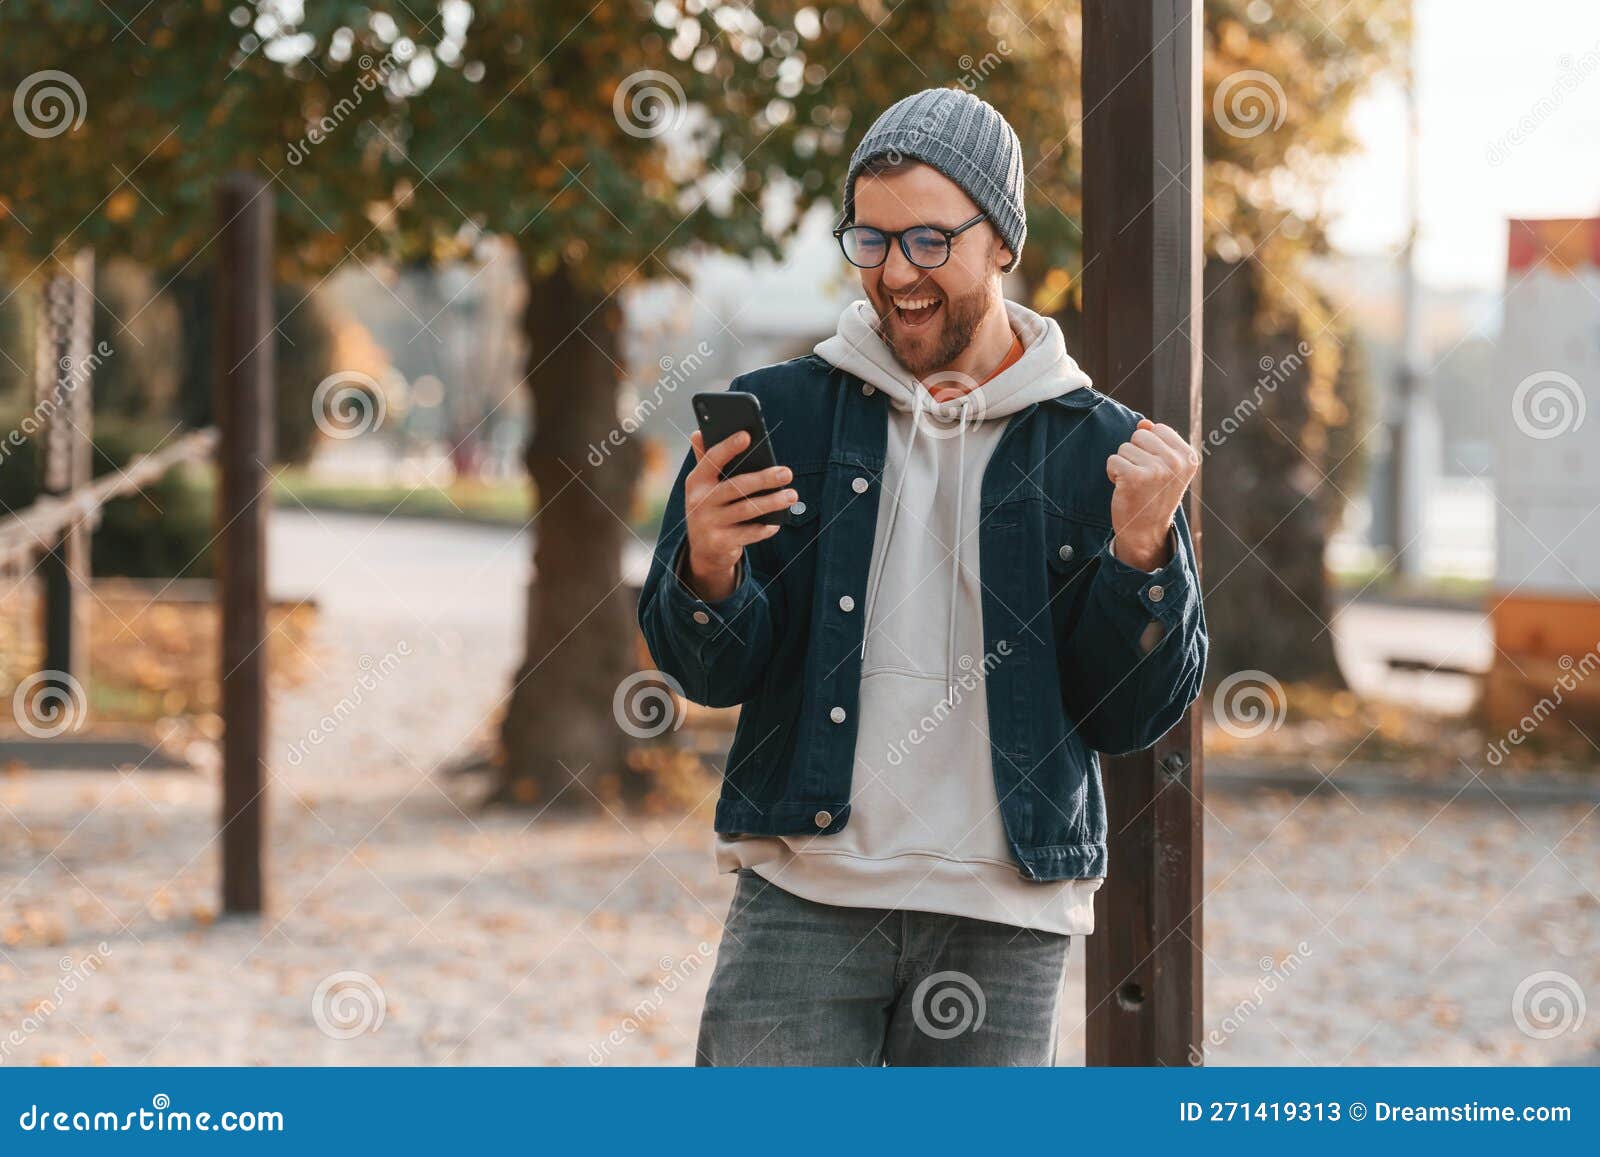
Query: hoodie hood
x=1045 y=370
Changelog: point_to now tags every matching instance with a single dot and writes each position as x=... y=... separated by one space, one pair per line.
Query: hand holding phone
x=730 y=500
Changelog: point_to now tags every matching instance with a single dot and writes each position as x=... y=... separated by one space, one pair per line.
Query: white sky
x=1484 y=67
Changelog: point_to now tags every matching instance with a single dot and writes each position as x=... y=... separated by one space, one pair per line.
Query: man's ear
x=1002 y=253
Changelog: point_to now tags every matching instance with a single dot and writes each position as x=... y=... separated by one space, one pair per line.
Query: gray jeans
x=802 y=983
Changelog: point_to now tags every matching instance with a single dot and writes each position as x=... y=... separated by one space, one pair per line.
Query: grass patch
x=500 y=503
x=1378 y=581
x=507 y=503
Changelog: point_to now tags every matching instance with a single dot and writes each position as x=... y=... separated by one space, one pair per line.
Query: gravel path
x=503 y=939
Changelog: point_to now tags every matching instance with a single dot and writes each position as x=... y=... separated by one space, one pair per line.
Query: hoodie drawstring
x=894 y=517
x=955 y=550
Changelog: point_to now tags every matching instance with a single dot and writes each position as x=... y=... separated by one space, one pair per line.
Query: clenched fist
x=1150 y=472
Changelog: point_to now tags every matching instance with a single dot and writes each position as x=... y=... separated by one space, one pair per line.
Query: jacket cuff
x=696 y=614
x=1162 y=592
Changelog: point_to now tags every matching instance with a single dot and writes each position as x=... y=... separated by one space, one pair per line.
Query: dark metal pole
x=244 y=406
x=63 y=375
x=1142 y=295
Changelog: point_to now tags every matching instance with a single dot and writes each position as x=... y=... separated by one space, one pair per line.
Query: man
x=983 y=575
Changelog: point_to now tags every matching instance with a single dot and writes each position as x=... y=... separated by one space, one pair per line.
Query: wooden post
x=63 y=378
x=1142 y=278
x=244 y=386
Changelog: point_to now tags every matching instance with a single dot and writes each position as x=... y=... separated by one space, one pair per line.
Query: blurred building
x=1458 y=387
x=1545 y=604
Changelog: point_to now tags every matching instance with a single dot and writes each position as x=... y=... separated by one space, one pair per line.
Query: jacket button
x=1155 y=592
x=797 y=509
x=823 y=819
x=868 y=390
x=1065 y=552
x=701 y=617
x=846 y=603
x=859 y=485
x=837 y=715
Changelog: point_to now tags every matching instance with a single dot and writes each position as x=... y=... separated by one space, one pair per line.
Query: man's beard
x=957 y=328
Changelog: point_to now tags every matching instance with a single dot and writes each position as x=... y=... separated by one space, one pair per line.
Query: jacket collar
x=1083 y=398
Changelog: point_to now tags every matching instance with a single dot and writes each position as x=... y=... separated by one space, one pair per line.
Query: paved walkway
x=503 y=939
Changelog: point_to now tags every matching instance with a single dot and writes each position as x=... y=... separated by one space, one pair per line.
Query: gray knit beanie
x=967 y=140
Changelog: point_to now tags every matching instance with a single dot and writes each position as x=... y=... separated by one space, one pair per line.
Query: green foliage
x=15 y=369
x=138 y=379
x=409 y=133
x=166 y=97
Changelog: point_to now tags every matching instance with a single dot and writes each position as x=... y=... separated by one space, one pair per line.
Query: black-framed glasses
x=925 y=246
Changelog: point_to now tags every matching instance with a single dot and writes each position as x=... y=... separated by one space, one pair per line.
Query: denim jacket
x=1089 y=654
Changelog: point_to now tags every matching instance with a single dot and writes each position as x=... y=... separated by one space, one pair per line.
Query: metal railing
x=37 y=528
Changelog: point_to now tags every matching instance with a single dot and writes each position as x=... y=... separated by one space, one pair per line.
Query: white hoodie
x=925 y=831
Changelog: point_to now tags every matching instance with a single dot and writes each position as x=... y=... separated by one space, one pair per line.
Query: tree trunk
x=1269 y=511
x=563 y=749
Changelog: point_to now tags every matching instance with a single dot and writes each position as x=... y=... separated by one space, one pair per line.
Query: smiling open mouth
x=921 y=314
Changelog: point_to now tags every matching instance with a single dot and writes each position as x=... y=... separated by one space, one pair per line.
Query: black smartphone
x=723 y=413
